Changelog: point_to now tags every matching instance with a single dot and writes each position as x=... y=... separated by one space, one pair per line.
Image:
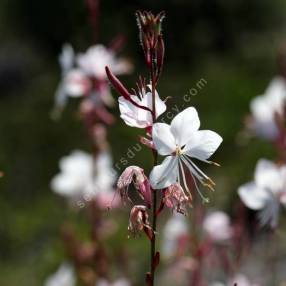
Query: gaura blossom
x=138 y=221
x=238 y=279
x=64 y=276
x=136 y=175
x=138 y=117
x=182 y=142
x=175 y=198
x=82 y=176
x=241 y=280
x=217 y=226
x=175 y=229
x=266 y=192
x=264 y=108
x=118 y=282
x=96 y=58
x=84 y=74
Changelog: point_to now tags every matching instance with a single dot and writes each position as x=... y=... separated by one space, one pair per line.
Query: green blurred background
x=231 y=44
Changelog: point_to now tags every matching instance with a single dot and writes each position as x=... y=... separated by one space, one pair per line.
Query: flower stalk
x=157 y=52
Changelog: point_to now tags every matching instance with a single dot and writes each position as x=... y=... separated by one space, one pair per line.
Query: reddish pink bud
x=148 y=279
x=156 y=260
x=160 y=53
x=122 y=90
x=138 y=221
x=136 y=175
x=117 y=84
x=175 y=198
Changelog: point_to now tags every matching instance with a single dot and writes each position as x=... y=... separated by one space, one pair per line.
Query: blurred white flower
x=64 y=276
x=266 y=192
x=217 y=226
x=138 y=117
x=118 y=282
x=241 y=280
x=238 y=279
x=217 y=283
x=176 y=227
x=97 y=57
x=84 y=75
x=180 y=142
x=264 y=107
x=82 y=176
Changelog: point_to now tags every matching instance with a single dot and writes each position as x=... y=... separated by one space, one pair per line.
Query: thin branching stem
x=155 y=157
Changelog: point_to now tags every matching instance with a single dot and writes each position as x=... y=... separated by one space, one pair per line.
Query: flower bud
x=122 y=90
x=160 y=54
x=136 y=175
x=149 y=27
x=150 y=34
x=117 y=84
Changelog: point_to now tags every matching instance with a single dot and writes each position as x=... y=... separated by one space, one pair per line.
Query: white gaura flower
x=74 y=82
x=264 y=107
x=266 y=192
x=241 y=280
x=64 y=276
x=97 y=57
x=82 y=176
x=138 y=117
x=182 y=142
x=217 y=226
x=238 y=279
x=175 y=228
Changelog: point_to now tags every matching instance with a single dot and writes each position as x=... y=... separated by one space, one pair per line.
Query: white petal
x=268 y=175
x=160 y=104
x=61 y=96
x=202 y=144
x=164 y=175
x=163 y=139
x=78 y=162
x=68 y=186
x=65 y=276
x=269 y=214
x=252 y=196
x=76 y=83
x=184 y=124
x=66 y=58
x=94 y=61
x=132 y=115
x=121 y=66
x=217 y=220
